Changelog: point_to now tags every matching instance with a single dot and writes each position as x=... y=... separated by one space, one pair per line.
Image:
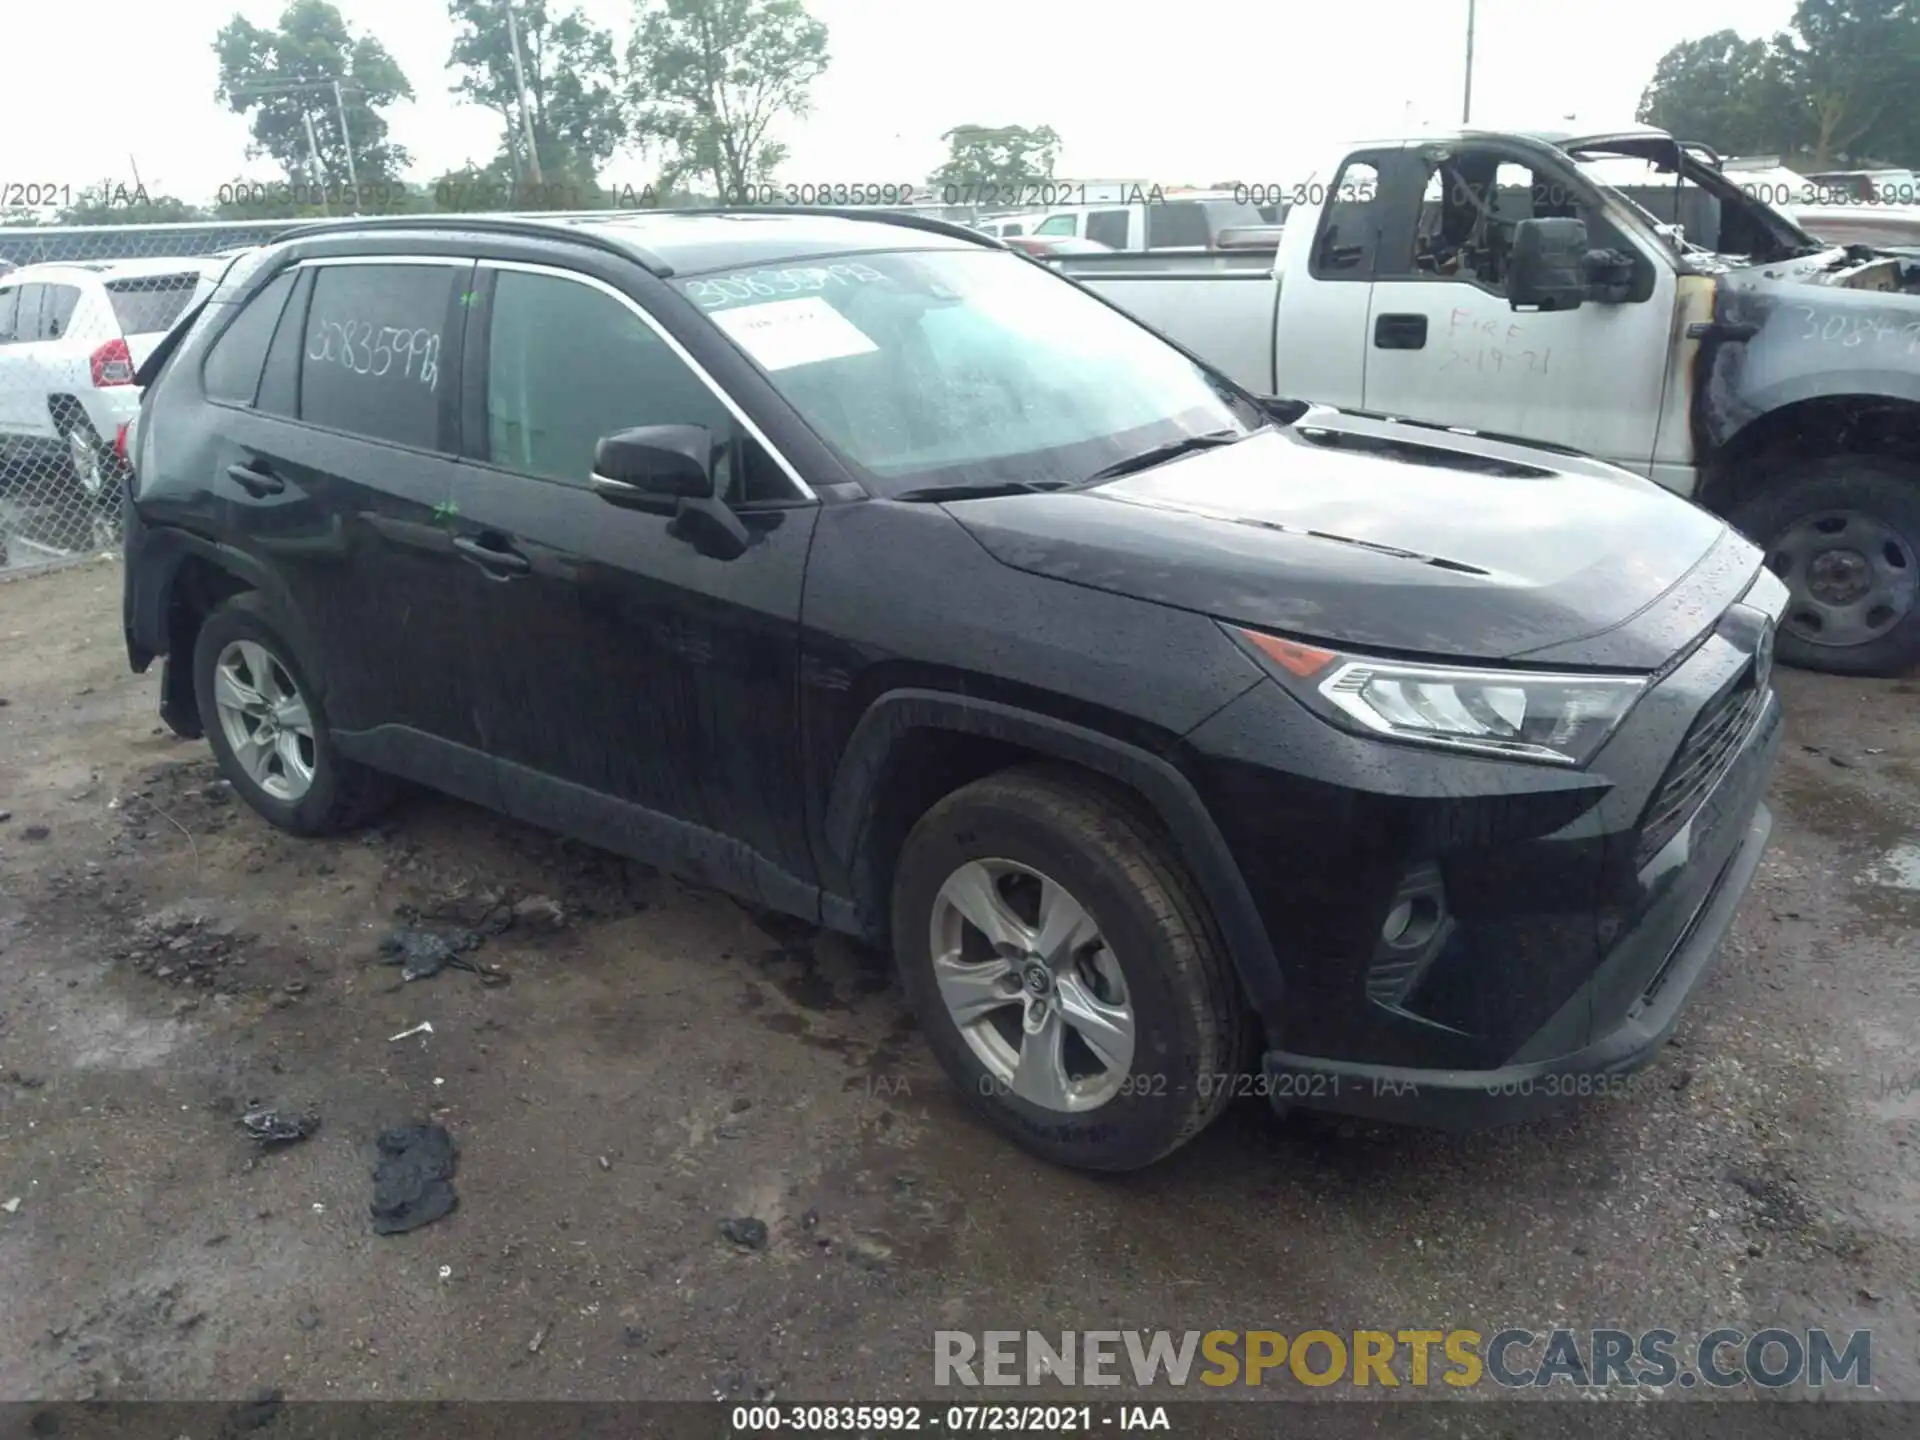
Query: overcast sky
x=1231 y=89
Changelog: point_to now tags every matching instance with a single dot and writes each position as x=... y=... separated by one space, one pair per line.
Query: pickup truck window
x=1471 y=203
x=1178 y=223
x=1109 y=228
x=1349 y=236
x=1056 y=225
x=931 y=368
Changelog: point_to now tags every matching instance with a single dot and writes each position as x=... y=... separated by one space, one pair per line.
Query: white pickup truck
x=1674 y=325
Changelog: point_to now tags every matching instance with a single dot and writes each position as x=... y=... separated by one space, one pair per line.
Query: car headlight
x=1516 y=714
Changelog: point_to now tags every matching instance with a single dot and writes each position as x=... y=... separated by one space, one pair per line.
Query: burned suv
x=1180 y=743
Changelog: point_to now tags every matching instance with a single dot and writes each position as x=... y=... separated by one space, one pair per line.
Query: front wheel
x=1843 y=532
x=1065 y=971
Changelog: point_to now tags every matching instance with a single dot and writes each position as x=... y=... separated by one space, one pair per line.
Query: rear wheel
x=1065 y=971
x=1843 y=532
x=91 y=465
x=268 y=730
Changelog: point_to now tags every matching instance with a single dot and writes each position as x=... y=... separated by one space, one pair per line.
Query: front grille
x=1704 y=756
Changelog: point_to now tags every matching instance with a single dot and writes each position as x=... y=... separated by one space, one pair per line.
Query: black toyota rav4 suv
x=1180 y=743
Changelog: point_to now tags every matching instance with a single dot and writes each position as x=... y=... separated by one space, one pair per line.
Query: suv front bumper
x=1473 y=1099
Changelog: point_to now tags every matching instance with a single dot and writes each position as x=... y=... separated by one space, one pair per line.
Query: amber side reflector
x=1290 y=655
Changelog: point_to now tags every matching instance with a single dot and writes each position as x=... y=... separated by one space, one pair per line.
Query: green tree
x=1003 y=155
x=1852 y=65
x=708 y=79
x=282 y=78
x=572 y=87
x=127 y=205
x=1728 y=92
x=1833 y=87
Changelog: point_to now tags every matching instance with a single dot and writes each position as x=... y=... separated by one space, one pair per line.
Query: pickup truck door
x=1443 y=343
x=1320 y=335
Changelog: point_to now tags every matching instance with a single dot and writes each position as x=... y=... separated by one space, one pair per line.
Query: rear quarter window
x=231 y=372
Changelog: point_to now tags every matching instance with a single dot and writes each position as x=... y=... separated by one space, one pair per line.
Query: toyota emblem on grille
x=1763 y=657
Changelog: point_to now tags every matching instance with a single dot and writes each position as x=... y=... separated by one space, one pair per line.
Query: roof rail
x=543 y=227
x=548 y=223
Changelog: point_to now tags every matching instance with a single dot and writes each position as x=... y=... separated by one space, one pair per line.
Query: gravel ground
x=660 y=1060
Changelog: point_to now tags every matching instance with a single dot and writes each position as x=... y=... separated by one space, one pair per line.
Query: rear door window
x=149 y=304
x=232 y=369
x=380 y=342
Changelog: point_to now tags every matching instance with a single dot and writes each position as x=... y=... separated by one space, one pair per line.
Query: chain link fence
x=80 y=308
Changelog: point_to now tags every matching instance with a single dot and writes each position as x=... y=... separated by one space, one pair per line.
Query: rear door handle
x=497 y=559
x=255 y=482
x=1400 y=332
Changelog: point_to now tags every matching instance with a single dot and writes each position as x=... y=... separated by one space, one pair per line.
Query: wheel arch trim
x=152 y=580
x=859 y=780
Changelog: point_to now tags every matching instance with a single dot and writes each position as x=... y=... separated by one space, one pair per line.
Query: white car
x=71 y=337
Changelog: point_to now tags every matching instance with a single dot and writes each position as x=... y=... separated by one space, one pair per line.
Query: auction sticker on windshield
x=786 y=333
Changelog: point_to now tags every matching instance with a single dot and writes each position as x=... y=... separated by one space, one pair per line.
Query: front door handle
x=497 y=559
x=255 y=482
x=1400 y=332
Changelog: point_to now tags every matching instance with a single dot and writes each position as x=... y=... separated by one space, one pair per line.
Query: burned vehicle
x=1618 y=295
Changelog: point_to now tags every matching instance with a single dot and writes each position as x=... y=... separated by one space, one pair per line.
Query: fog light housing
x=1413 y=931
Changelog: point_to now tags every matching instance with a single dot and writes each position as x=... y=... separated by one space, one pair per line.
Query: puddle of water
x=1898 y=868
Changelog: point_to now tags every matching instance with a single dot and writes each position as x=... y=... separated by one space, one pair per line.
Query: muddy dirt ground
x=661 y=1060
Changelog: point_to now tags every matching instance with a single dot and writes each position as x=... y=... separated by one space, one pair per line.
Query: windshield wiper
x=1160 y=454
x=985 y=490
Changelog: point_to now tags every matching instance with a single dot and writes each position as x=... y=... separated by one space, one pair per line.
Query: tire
x=92 y=469
x=1189 y=1023
x=1831 y=526
x=322 y=792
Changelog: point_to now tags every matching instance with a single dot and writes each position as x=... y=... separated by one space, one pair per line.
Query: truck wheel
x=1843 y=531
x=268 y=731
x=1065 y=970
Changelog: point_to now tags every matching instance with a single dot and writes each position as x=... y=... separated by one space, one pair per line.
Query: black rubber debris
x=277 y=1127
x=412 y=1183
x=425 y=953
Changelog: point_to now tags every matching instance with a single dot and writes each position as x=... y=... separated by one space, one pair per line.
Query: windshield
x=964 y=367
x=1742 y=221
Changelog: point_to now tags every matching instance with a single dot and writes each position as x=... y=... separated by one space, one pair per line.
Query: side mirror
x=1547 y=267
x=668 y=470
x=654 y=462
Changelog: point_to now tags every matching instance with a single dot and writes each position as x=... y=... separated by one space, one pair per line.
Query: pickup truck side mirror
x=1547 y=266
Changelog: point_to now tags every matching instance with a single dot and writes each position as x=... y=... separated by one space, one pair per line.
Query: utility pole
x=520 y=92
x=1466 y=102
x=346 y=144
x=313 y=161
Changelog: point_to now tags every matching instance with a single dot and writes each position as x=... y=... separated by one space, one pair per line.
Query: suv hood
x=1384 y=535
